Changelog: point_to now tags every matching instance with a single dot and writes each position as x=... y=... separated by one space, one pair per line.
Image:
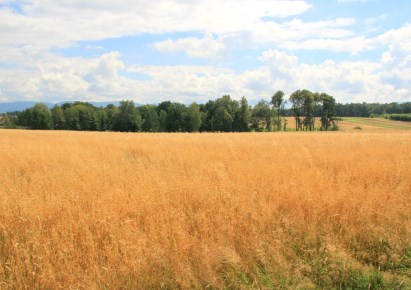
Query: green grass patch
x=375 y=122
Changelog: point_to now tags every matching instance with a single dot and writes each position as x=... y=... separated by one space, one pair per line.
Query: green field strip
x=375 y=123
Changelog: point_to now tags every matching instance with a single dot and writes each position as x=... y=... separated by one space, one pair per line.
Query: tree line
x=371 y=109
x=398 y=117
x=221 y=115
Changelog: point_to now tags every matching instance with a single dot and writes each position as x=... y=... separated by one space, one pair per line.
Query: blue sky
x=193 y=51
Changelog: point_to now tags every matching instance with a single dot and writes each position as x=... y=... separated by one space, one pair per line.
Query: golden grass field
x=83 y=210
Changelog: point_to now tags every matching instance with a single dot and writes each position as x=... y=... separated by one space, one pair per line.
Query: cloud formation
x=269 y=36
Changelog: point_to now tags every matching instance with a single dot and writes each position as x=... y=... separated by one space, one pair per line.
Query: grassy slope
x=374 y=123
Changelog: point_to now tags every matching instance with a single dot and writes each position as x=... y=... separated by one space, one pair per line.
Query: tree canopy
x=221 y=115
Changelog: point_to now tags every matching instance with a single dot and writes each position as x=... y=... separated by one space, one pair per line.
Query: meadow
x=289 y=210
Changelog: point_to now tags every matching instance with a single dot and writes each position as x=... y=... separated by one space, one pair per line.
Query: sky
x=194 y=51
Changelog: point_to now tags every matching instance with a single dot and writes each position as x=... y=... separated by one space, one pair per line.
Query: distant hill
x=20 y=106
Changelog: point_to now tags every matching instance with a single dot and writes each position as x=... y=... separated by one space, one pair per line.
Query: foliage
x=9 y=121
x=128 y=118
x=367 y=109
x=151 y=121
x=221 y=120
x=58 y=118
x=277 y=100
x=297 y=101
x=242 y=117
x=193 y=118
x=262 y=117
x=328 y=113
x=223 y=114
x=400 y=117
x=37 y=117
x=305 y=106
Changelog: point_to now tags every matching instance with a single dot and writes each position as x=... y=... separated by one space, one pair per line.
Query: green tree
x=317 y=101
x=207 y=112
x=162 y=117
x=277 y=101
x=261 y=117
x=222 y=120
x=296 y=99
x=222 y=114
x=88 y=117
x=165 y=106
x=328 y=112
x=9 y=122
x=175 y=117
x=229 y=104
x=308 y=109
x=193 y=118
x=127 y=119
x=242 y=117
x=71 y=116
x=151 y=122
x=57 y=115
x=103 y=119
x=111 y=113
x=40 y=117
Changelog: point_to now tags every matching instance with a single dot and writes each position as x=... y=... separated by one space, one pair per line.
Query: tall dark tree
x=193 y=118
x=71 y=116
x=150 y=119
x=175 y=118
x=222 y=120
x=162 y=118
x=223 y=114
x=207 y=111
x=40 y=117
x=308 y=109
x=242 y=117
x=111 y=112
x=103 y=119
x=88 y=117
x=165 y=106
x=229 y=104
x=127 y=119
x=57 y=115
x=297 y=102
x=277 y=101
x=328 y=112
x=261 y=117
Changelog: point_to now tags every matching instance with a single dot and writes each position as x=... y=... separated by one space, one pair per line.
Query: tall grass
x=137 y=211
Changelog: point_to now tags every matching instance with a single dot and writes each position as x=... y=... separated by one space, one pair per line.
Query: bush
x=400 y=117
x=335 y=127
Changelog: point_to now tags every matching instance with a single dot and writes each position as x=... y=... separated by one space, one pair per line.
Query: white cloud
x=351 y=1
x=353 y=45
x=206 y=47
x=103 y=78
x=2 y=97
x=49 y=23
x=294 y=34
x=32 y=71
x=66 y=78
x=400 y=35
